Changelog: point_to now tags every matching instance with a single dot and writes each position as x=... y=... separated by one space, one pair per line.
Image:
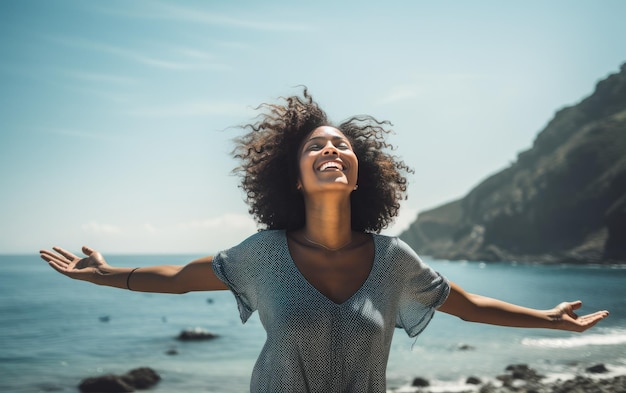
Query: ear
x=298 y=185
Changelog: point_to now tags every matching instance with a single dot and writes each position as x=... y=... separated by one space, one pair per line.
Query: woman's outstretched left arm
x=476 y=308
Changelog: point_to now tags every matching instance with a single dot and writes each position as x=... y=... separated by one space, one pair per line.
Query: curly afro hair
x=269 y=166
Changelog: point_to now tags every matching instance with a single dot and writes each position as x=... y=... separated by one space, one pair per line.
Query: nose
x=330 y=149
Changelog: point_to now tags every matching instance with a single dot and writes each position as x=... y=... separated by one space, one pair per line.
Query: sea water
x=55 y=331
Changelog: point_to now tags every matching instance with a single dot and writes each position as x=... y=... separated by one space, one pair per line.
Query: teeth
x=331 y=164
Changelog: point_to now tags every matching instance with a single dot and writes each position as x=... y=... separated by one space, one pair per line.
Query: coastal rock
x=597 y=369
x=521 y=375
x=105 y=384
x=523 y=372
x=196 y=334
x=420 y=382
x=527 y=380
x=561 y=201
x=139 y=378
x=589 y=385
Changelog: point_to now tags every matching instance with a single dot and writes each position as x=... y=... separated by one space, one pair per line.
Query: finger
x=45 y=254
x=59 y=267
x=49 y=256
x=596 y=315
x=588 y=321
x=65 y=253
x=569 y=307
x=576 y=305
x=88 y=250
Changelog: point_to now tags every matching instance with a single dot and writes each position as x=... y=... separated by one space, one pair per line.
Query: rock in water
x=139 y=378
x=105 y=384
x=597 y=369
x=196 y=334
x=420 y=382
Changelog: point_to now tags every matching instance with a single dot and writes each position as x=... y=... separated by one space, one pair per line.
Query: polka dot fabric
x=314 y=344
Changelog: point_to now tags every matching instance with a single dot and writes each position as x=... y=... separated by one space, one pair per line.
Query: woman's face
x=327 y=162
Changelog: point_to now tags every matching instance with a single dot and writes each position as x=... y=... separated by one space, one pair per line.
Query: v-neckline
x=303 y=278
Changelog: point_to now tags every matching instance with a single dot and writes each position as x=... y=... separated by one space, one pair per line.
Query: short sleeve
x=422 y=291
x=236 y=267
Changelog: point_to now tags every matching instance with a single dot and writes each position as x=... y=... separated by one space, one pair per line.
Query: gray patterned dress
x=314 y=344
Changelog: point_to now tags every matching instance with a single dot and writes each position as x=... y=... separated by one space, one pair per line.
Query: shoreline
x=518 y=378
x=521 y=378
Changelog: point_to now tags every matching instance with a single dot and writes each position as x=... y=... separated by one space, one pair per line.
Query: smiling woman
x=270 y=169
x=328 y=288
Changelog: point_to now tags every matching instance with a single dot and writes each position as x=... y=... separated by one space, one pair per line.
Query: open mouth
x=331 y=166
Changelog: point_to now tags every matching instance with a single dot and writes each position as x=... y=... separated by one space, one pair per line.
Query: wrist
x=554 y=318
x=108 y=276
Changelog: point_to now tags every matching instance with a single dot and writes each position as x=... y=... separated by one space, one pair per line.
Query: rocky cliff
x=563 y=200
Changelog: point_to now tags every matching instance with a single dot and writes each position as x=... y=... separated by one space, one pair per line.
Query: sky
x=117 y=118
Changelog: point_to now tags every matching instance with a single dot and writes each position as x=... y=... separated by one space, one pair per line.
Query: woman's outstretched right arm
x=197 y=275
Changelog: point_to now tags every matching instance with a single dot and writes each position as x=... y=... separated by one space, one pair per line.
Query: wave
x=613 y=338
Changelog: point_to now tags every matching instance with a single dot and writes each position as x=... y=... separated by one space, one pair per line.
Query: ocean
x=54 y=331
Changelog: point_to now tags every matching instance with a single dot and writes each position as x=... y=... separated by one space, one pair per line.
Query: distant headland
x=561 y=201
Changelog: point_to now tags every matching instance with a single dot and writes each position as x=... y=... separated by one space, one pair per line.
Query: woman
x=328 y=288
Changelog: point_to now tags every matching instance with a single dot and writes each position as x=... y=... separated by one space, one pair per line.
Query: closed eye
x=343 y=146
x=338 y=142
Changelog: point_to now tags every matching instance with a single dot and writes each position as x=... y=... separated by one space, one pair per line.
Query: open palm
x=74 y=266
x=569 y=320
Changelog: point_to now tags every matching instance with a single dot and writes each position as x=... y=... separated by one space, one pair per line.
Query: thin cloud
x=195 y=53
x=226 y=222
x=101 y=229
x=75 y=80
x=194 y=108
x=166 y=64
x=233 y=45
x=229 y=222
x=100 y=77
x=133 y=55
x=160 y=10
x=79 y=133
x=98 y=85
x=150 y=228
x=119 y=98
x=429 y=85
x=399 y=93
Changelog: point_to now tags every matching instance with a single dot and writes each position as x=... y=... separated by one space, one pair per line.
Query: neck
x=328 y=222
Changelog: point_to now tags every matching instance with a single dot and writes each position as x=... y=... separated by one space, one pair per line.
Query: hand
x=73 y=266
x=564 y=315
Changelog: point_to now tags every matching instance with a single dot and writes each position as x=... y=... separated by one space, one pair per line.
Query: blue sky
x=116 y=117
